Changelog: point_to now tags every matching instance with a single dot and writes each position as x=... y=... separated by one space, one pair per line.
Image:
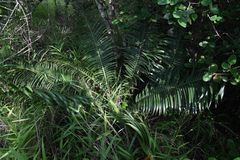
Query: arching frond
x=42 y=75
x=172 y=94
x=100 y=48
x=148 y=51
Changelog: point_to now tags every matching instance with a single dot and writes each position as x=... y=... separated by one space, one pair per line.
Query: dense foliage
x=107 y=79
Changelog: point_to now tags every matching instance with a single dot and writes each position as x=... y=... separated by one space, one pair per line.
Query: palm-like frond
x=98 y=46
x=42 y=75
x=149 y=52
x=172 y=94
x=161 y=59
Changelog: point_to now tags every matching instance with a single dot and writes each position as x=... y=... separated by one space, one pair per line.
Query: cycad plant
x=89 y=99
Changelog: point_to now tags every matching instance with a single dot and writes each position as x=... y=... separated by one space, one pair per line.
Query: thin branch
x=21 y=51
x=29 y=40
x=10 y=16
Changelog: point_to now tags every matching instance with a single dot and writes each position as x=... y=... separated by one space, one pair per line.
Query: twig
x=19 y=52
x=214 y=28
x=29 y=40
x=10 y=16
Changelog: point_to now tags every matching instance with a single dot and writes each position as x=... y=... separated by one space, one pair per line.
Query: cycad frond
x=148 y=50
x=41 y=75
x=172 y=95
x=101 y=51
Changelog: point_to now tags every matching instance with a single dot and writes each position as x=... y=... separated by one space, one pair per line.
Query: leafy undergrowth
x=40 y=131
x=106 y=80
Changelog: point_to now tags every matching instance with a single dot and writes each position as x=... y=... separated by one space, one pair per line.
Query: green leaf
x=44 y=156
x=182 y=22
x=173 y=2
x=177 y=14
x=124 y=105
x=203 y=44
x=163 y=2
x=115 y=22
x=224 y=78
x=233 y=83
x=225 y=65
x=237 y=79
x=182 y=7
x=232 y=60
x=213 y=68
x=207 y=77
x=215 y=18
x=194 y=16
x=206 y=2
x=167 y=16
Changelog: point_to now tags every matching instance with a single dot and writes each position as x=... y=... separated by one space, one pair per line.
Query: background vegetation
x=107 y=79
